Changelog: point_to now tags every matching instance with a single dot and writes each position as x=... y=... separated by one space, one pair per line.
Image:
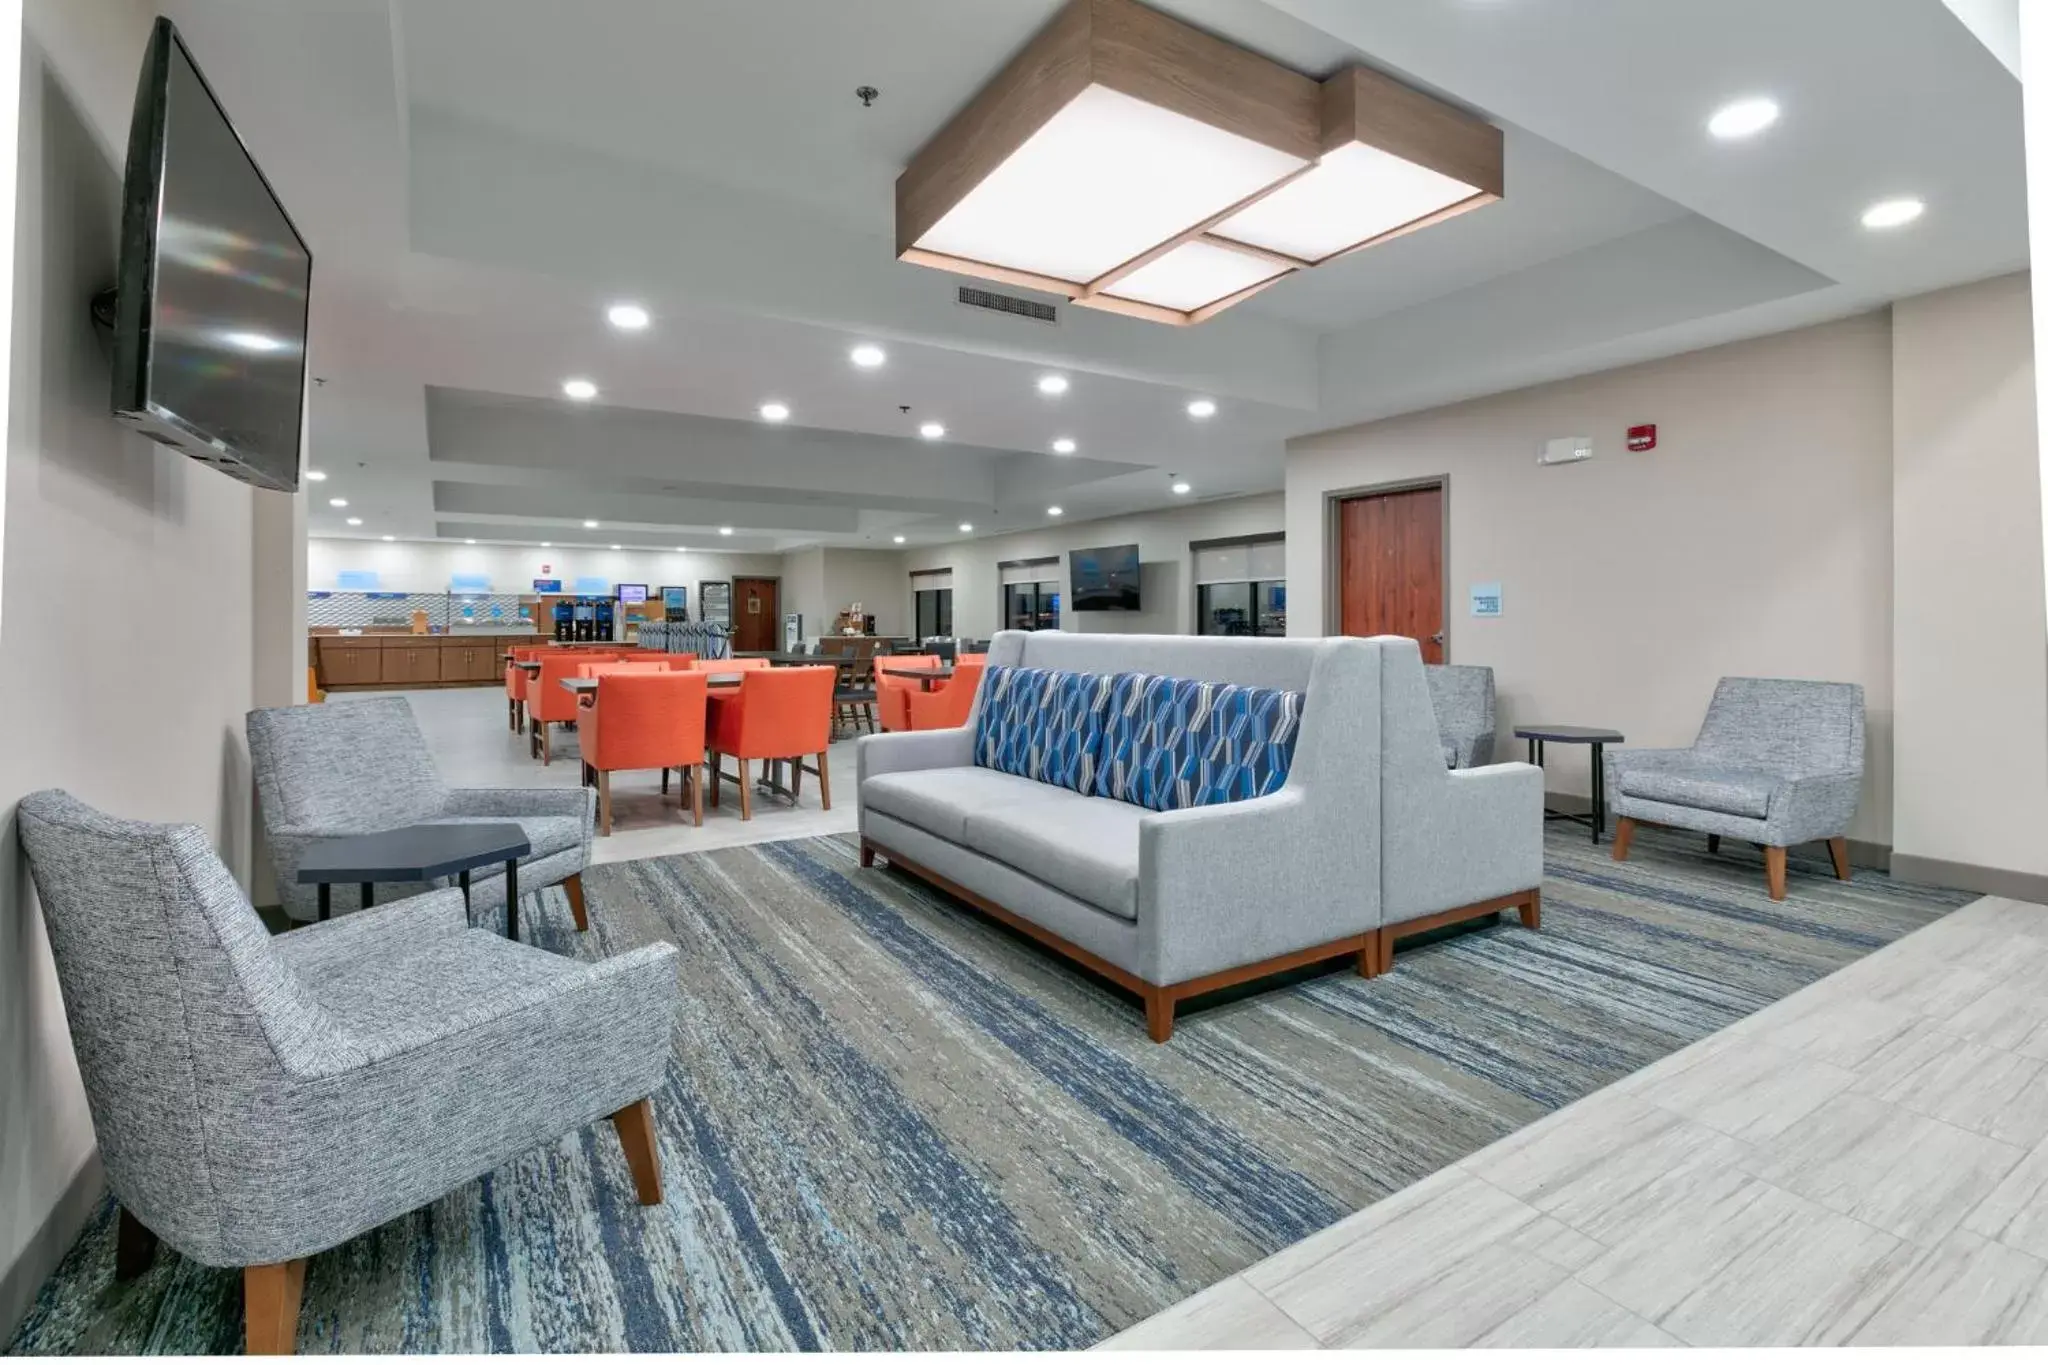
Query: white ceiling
x=479 y=178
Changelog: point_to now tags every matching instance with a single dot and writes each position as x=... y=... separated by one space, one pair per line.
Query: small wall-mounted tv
x=1104 y=579
x=209 y=307
x=632 y=594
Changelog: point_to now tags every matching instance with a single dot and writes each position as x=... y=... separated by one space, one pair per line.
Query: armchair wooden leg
x=1158 y=1015
x=636 y=1134
x=1624 y=832
x=1532 y=910
x=573 y=888
x=1774 y=872
x=270 y=1303
x=134 y=1247
x=604 y=801
x=1713 y=843
x=867 y=854
x=697 y=795
x=1838 y=853
x=746 y=789
x=824 y=779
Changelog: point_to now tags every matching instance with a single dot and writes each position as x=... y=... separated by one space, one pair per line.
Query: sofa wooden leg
x=270 y=1305
x=134 y=1247
x=636 y=1134
x=1624 y=833
x=1387 y=937
x=1532 y=909
x=824 y=780
x=1838 y=853
x=867 y=854
x=1369 y=955
x=1713 y=843
x=1774 y=872
x=573 y=889
x=1159 y=1015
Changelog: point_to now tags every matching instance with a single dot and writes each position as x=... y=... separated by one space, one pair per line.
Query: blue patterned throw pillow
x=1171 y=743
x=1041 y=723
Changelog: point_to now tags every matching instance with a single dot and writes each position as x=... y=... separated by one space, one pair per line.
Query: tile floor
x=466 y=731
x=1863 y=1163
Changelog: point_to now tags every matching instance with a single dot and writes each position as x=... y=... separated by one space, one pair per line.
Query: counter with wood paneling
x=399 y=659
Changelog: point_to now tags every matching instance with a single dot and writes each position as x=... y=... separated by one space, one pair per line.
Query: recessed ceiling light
x=1055 y=511
x=898 y=539
x=775 y=412
x=627 y=317
x=316 y=475
x=1891 y=213
x=1064 y=446
x=1182 y=487
x=1743 y=118
x=337 y=502
x=1052 y=384
x=966 y=526
x=390 y=537
x=682 y=549
x=931 y=431
x=618 y=547
x=355 y=521
x=582 y=390
x=1202 y=407
x=725 y=530
x=869 y=357
x=469 y=542
x=547 y=545
x=590 y=526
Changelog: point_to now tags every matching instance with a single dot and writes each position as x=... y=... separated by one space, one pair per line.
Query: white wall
x=1166 y=582
x=873 y=578
x=427 y=565
x=1755 y=540
x=1970 y=671
x=140 y=713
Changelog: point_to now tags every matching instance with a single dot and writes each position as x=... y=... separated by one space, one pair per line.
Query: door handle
x=1437 y=639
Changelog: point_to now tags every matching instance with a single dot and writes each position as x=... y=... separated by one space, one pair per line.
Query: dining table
x=925 y=676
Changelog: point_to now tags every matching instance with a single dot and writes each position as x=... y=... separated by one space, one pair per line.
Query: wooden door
x=1391 y=567
x=756 y=614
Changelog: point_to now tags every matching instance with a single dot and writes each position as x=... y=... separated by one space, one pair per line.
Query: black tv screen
x=210 y=304
x=1105 y=579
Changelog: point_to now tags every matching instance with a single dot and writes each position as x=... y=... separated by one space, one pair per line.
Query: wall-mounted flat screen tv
x=1104 y=579
x=632 y=594
x=210 y=304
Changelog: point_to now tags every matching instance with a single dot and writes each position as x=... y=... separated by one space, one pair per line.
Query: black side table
x=417 y=853
x=1576 y=734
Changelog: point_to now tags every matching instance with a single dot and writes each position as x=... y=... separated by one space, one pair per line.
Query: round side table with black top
x=1598 y=739
x=417 y=853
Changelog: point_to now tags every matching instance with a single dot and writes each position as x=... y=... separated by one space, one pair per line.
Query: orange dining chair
x=678 y=661
x=644 y=718
x=775 y=713
x=313 y=692
x=587 y=669
x=947 y=709
x=730 y=665
x=892 y=694
x=548 y=702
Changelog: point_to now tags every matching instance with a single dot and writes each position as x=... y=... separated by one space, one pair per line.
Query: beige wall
x=1970 y=666
x=1166 y=567
x=94 y=513
x=1755 y=540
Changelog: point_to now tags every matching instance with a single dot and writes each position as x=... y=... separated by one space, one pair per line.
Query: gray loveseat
x=1369 y=837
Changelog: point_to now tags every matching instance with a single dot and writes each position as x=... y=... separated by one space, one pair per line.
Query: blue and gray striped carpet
x=891 y=1123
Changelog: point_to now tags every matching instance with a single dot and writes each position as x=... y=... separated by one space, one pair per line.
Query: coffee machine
x=565 y=621
x=602 y=610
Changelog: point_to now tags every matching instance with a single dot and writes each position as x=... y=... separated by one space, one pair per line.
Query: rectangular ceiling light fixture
x=1132 y=163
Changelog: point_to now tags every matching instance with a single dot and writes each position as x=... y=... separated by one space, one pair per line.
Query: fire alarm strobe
x=1643 y=437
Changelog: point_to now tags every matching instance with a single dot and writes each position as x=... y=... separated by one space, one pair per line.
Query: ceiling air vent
x=993 y=302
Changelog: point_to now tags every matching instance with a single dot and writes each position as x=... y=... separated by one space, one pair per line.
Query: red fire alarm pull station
x=1643 y=437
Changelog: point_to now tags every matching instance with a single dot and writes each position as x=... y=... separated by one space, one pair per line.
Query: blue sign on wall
x=547 y=585
x=1486 y=599
x=387 y=596
x=594 y=587
x=356 y=580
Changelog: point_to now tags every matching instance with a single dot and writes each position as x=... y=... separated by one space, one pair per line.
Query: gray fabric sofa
x=259 y=1099
x=1778 y=762
x=1462 y=697
x=360 y=765
x=1370 y=837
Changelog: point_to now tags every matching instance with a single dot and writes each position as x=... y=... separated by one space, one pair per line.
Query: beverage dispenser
x=602 y=610
x=565 y=622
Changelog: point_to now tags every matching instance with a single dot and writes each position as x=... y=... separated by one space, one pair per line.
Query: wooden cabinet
x=406 y=663
x=412 y=660
x=350 y=661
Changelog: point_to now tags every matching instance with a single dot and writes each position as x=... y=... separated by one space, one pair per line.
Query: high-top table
x=925 y=676
x=417 y=853
x=1598 y=739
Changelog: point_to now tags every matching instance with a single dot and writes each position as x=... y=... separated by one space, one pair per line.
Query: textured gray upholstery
x=1462 y=697
x=1448 y=838
x=1778 y=762
x=357 y=766
x=941 y=799
x=1086 y=846
x=259 y=1099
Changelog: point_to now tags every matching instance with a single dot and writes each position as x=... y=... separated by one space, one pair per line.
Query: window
x=1031 y=594
x=1241 y=586
x=933 y=594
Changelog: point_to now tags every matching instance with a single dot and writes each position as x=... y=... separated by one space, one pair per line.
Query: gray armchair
x=258 y=1099
x=354 y=767
x=1777 y=762
x=1462 y=697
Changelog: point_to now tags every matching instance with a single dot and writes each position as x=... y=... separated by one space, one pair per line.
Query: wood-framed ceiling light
x=1118 y=161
